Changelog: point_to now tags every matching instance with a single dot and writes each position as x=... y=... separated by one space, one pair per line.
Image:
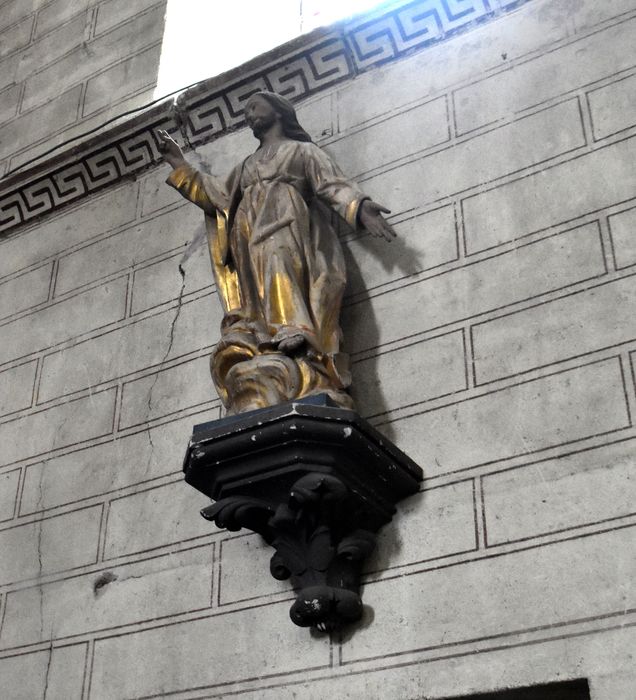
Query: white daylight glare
x=204 y=38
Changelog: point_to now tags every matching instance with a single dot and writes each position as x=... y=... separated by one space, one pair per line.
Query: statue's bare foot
x=292 y=343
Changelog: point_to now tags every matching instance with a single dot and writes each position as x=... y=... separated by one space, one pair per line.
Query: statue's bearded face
x=260 y=115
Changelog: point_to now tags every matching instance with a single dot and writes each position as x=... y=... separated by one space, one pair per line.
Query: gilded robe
x=278 y=264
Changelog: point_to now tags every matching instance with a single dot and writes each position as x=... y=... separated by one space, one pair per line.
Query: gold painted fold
x=227 y=282
x=208 y=193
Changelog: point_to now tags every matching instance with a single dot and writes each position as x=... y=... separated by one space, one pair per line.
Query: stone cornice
x=298 y=69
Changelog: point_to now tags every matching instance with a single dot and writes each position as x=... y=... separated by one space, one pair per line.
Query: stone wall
x=67 y=66
x=493 y=342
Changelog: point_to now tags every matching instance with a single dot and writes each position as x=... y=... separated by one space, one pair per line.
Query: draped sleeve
x=214 y=197
x=330 y=185
x=206 y=191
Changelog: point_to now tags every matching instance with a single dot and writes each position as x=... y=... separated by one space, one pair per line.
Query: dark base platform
x=316 y=482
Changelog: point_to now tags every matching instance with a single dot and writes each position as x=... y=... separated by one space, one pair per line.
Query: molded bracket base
x=316 y=482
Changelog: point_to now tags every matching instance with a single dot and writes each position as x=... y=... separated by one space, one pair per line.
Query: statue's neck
x=273 y=135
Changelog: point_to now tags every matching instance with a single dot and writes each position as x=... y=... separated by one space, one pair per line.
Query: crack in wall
x=40 y=503
x=173 y=325
x=48 y=670
x=40 y=585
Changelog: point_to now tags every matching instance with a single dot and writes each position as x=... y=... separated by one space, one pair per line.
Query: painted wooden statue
x=277 y=260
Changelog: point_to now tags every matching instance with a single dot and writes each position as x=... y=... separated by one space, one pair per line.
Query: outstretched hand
x=170 y=149
x=370 y=216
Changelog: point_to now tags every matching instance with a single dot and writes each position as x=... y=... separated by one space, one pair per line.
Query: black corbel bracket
x=316 y=482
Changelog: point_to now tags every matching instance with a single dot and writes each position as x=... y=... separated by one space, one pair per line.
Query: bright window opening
x=203 y=38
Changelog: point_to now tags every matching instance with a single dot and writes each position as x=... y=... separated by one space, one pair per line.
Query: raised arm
x=206 y=191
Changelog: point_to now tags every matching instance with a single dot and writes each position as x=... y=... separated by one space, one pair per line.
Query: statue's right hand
x=170 y=148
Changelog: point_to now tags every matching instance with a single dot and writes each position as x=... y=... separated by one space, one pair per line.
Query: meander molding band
x=298 y=69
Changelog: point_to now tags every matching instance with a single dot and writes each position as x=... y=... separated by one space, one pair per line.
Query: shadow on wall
x=400 y=260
